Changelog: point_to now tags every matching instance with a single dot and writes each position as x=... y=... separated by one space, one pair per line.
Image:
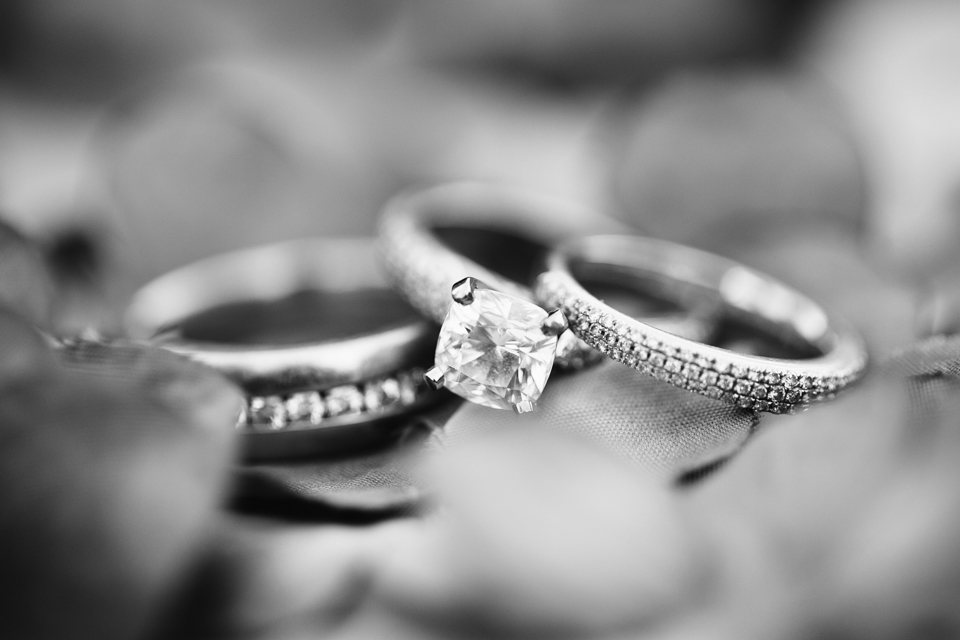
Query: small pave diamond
x=373 y=395
x=345 y=399
x=269 y=411
x=298 y=407
x=317 y=408
x=494 y=352
x=299 y=410
x=743 y=388
x=407 y=383
x=390 y=389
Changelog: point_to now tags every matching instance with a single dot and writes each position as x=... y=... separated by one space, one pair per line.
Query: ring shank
x=269 y=274
x=423 y=268
x=691 y=276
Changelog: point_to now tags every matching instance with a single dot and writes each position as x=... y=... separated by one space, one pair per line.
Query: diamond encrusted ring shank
x=752 y=382
x=423 y=267
x=368 y=376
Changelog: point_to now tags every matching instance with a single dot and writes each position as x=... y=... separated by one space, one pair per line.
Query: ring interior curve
x=423 y=267
x=267 y=274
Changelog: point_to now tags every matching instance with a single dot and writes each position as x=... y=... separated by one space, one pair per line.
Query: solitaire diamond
x=493 y=350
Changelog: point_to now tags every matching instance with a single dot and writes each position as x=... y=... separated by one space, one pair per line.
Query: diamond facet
x=494 y=352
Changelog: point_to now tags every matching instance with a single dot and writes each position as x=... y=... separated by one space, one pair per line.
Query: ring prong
x=434 y=378
x=462 y=291
x=554 y=324
x=523 y=407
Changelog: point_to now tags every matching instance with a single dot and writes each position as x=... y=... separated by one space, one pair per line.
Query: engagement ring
x=497 y=346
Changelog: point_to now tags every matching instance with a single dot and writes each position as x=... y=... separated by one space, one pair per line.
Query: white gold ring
x=778 y=385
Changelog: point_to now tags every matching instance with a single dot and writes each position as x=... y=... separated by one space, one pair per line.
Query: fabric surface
x=377 y=479
x=663 y=430
x=114 y=460
x=936 y=356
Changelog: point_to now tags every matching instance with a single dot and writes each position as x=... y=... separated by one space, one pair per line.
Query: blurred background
x=818 y=140
x=161 y=132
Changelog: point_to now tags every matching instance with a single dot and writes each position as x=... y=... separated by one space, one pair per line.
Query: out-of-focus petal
x=772 y=516
x=112 y=469
x=580 y=40
x=540 y=531
x=26 y=286
x=261 y=578
x=728 y=159
x=897 y=67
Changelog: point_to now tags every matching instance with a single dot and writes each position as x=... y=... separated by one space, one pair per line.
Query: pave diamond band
x=338 y=406
x=752 y=382
x=260 y=315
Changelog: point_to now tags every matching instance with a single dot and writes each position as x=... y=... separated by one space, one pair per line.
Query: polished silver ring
x=777 y=385
x=305 y=386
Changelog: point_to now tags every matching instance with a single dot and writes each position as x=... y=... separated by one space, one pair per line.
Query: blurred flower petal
x=258 y=577
x=897 y=67
x=24 y=353
x=110 y=475
x=719 y=160
x=540 y=531
x=26 y=285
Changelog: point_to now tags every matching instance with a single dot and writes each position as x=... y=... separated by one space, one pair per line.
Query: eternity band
x=305 y=396
x=759 y=383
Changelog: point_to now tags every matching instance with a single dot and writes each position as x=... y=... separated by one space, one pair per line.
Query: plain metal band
x=764 y=384
x=271 y=273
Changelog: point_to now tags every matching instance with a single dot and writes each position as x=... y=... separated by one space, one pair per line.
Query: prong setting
x=554 y=324
x=462 y=291
x=523 y=407
x=434 y=378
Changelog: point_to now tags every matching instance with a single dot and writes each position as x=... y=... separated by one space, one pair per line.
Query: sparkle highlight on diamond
x=493 y=351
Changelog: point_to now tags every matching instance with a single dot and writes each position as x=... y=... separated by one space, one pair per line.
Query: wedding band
x=307 y=386
x=774 y=385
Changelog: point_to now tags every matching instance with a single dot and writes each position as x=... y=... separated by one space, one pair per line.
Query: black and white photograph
x=479 y=319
